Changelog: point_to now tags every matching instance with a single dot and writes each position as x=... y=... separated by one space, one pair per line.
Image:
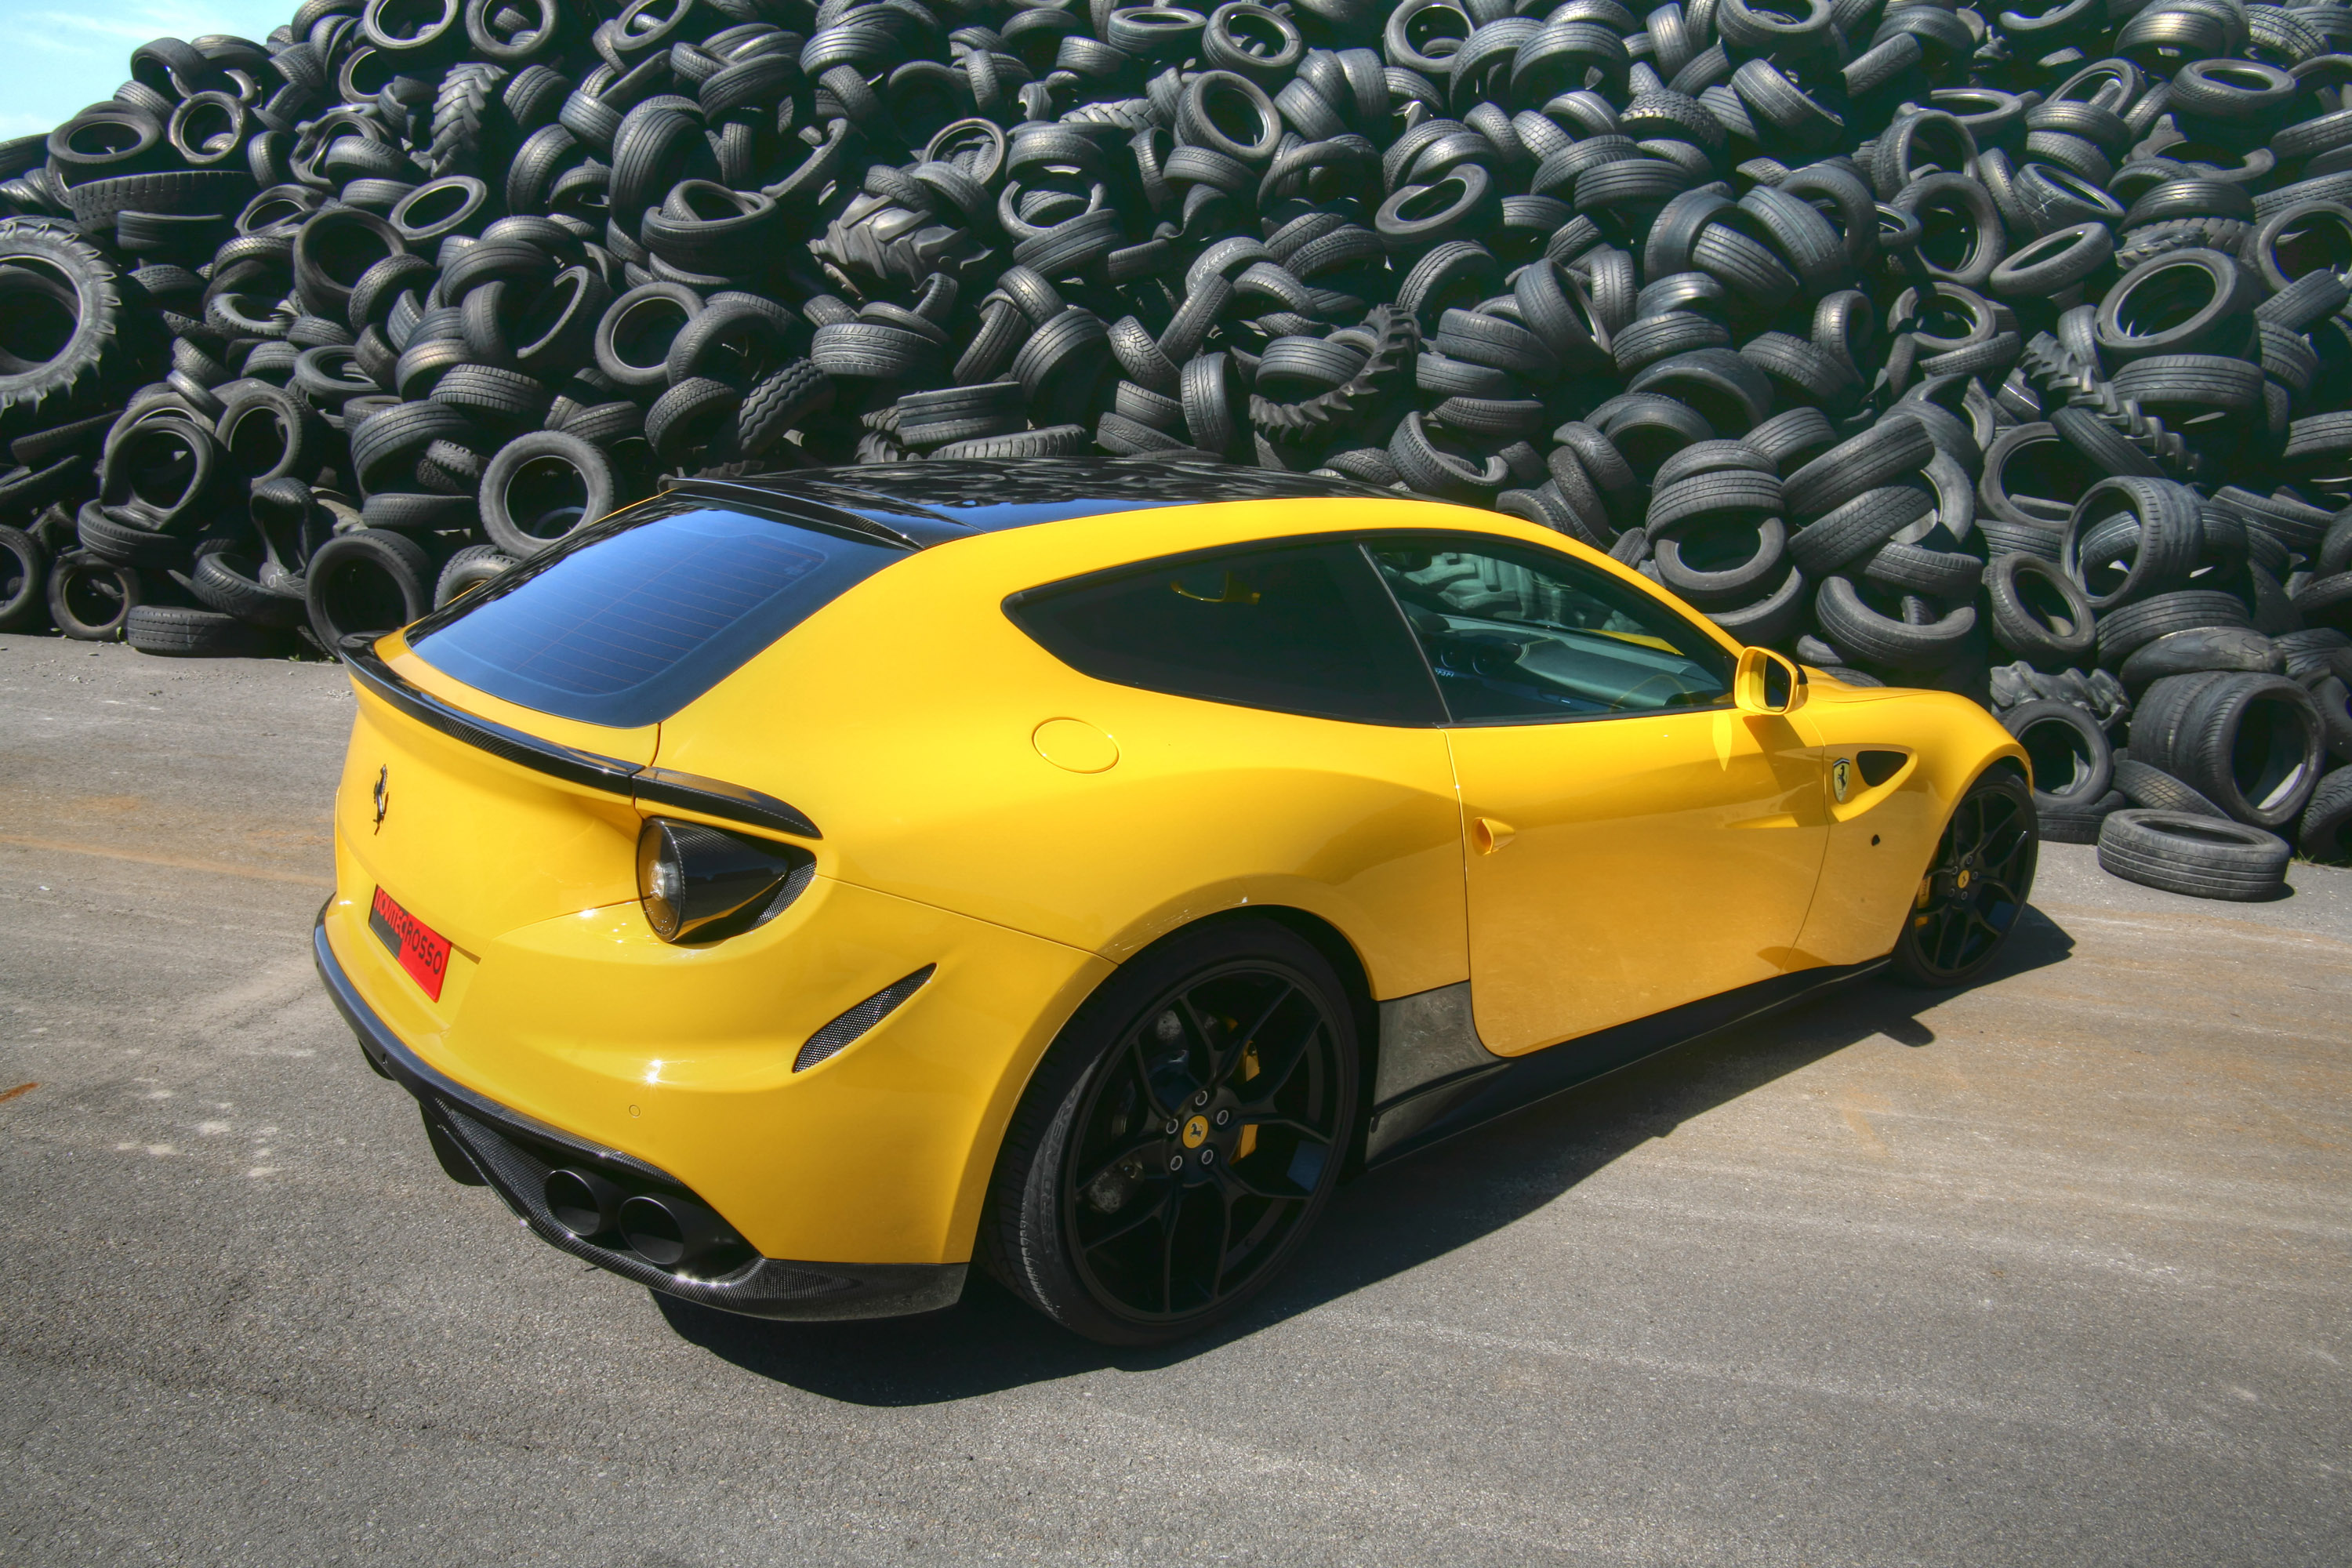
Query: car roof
x=919 y=504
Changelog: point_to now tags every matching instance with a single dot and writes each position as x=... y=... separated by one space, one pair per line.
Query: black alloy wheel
x=1187 y=1155
x=1976 y=887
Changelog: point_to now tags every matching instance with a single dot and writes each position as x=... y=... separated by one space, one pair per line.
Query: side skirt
x=1431 y=1113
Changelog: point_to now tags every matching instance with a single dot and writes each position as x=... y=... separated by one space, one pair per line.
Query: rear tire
x=1975 y=887
x=1209 y=1088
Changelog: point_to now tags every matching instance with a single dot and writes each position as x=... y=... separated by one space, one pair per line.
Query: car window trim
x=1365 y=541
x=1012 y=603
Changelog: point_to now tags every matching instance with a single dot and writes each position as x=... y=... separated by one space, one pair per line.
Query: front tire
x=1179 y=1139
x=1975 y=889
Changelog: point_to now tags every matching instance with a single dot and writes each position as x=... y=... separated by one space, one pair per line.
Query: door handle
x=1487 y=835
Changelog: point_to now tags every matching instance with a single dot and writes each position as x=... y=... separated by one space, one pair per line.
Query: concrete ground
x=2054 y=1270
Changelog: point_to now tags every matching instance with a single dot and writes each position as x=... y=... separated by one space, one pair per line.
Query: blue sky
x=64 y=53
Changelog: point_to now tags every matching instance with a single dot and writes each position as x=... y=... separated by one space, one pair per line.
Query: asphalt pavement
x=2054 y=1270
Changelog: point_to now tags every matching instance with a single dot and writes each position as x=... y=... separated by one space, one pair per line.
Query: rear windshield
x=631 y=625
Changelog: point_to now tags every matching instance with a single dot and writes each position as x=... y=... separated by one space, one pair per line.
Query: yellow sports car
x=786 y=890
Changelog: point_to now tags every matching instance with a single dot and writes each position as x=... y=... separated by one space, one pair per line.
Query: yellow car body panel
x=469 y=843
x=683 y=1057
x=930 y=784
x=1023 y=829
x=1650 y=862
x=1881 y=836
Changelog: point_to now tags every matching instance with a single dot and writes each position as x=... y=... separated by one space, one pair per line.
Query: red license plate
x=422 y=951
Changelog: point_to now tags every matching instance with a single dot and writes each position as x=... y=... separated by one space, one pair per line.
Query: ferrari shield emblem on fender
x=1840 y=777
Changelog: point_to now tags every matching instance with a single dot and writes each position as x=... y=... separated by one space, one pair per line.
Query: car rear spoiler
x=646 y=785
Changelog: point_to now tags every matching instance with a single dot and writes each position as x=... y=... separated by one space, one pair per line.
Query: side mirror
x=1767 y=682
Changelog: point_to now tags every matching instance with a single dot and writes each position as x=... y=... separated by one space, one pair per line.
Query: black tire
x=2124 y=632
x=1678 y=503
x=605 y=424
x=1771 y=620
x=1095 y=1103
x=366 y=582
x=2067 y=750
x=2170 y=533
x=127 y=543
x=268 y=433
x=1891 y=450
x=1051 y=441
x=689 y=417
x=466 y=569
x=874 y=351
x=2192 y=301
x=1724 y=562
x=1858 y=526
x=928 y=419
x=385 y=450
x=2326 y=833
x=2206 y=647
x=60 y=318
x=634 y=335
x=414 y=511
x=24 y=575
x=89 y=597
x=1849 y=622
x=1974 y=888
x=2156 y=789
x=176 y=632
x=542 y=488
x=1061 y=363
x=733 y=341
x=2078 y=822
x=2039 y=612
x=2325 y=602
x=488 y=394
x=779 y=403
x=2333 y=694
x=160 y=473
x=2201 y=857
x=232 y=585
x=332 y=251
x=2251 y=744
x=2105 y=448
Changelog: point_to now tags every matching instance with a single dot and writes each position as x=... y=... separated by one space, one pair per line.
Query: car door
x=1632 y=841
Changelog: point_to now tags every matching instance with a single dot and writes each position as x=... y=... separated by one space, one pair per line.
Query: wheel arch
x=1320 y=933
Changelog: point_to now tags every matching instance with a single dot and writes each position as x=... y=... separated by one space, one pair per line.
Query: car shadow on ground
x=1379 y=1226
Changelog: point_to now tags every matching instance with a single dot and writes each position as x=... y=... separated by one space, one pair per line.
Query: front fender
x=1882 y=835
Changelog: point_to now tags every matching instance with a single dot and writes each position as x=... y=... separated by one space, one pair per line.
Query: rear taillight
x=699 y=884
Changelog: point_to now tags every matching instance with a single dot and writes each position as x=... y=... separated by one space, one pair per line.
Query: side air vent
x=837 y=1035
x=1878 y=767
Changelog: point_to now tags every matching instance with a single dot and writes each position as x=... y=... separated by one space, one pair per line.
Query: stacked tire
x=2007 y=355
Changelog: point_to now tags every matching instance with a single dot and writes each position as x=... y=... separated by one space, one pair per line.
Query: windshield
x=640 y=618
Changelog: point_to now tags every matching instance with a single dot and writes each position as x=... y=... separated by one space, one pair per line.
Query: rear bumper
x=514 y=1154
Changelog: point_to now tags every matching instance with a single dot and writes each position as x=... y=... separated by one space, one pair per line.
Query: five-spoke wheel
x=1976 y=887
x=1191 y=1127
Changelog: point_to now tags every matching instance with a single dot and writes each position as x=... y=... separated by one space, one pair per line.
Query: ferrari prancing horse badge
x=1840 y=777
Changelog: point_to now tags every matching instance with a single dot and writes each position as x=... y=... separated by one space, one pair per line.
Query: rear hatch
x=504 y=745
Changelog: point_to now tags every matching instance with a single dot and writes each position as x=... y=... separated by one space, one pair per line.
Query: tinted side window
x=1516 y=634
x=1298 y=628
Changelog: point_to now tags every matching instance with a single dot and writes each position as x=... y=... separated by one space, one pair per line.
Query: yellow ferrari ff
x=786 y=890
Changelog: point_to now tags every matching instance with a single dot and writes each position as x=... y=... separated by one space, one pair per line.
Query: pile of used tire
x=2007 y=354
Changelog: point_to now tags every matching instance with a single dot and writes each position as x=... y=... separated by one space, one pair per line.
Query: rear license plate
x=422 y=951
